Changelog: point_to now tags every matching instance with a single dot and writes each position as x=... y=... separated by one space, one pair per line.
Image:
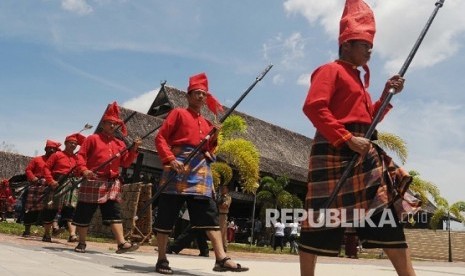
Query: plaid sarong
x=197 y=179
x=35 y=191
x=376 y=182
x=100 y=191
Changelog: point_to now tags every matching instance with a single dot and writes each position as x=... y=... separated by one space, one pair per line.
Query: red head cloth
x=357 y=22
x=5 y=182
x=112 y=115
x=200 y=82
x=52 y=144
x=76 y=137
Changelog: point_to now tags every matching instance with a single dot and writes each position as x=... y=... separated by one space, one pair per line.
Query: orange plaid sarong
x=375 y=182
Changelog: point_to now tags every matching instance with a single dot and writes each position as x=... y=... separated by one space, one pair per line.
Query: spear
x=197 y=149
x=127 y=148
x=381 y=111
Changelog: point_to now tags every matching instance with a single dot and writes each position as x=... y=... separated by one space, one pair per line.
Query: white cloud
x=79 y=7
x=304 y=80
x=278 y=79
x=141 y=103
x=397 y=27
x=435 y=137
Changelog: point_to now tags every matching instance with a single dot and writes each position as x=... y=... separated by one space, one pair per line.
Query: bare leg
x=400 y=259
x=307 y=263
x=71 y=228
x=217 y=242
x=162 y=241
x=82 y=232
x=47 y=229
x=117 y=229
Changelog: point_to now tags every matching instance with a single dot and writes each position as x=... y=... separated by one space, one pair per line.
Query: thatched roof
x=283 y=152
x=12 y=164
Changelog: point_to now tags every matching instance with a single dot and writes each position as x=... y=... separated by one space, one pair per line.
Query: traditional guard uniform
x=35 y=170
x=7 y=200
x=339 y=106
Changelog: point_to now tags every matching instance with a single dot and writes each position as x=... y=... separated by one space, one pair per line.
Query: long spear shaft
x=204 y=140
x=75 y=184
x=383 y=106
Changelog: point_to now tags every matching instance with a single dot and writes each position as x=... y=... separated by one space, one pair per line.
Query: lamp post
x=253 y=218
x=450 y=243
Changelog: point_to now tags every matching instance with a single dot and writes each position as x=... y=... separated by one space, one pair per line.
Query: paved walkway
x=30 y=256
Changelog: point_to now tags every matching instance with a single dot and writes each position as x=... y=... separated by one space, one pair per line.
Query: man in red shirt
x=35 y=175
x=61 y=164
x=102 y=187
x=181 y=132
x=340 y=108
x=6 y=199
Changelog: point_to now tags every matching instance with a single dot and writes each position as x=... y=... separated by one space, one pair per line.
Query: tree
x=445 y=210
x=6 y=147
x=238 y=152
x=394 y=144
x=273 y=194
x=423 y=189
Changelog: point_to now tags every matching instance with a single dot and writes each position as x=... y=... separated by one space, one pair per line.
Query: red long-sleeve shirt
x=35 y=168
x=182 y=127
x=60 y=162
x=336 y=97
x=97 y=149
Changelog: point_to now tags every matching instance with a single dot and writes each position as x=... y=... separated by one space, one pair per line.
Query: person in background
x=60 y=165
x=278 y=234
x=7 y=201
x=293 y=236
x=35 y=176
x=224 y=202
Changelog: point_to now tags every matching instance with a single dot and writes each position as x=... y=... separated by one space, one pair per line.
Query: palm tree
x=423 y=189
x=238 y=152
x=443 y=210
x=273 y=194
x=394 y=144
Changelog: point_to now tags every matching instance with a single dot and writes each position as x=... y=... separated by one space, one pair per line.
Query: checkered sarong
x=34 y=193
x=375 y=182
x=100 y=191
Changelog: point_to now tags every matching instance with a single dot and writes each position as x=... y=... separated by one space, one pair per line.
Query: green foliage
x=243 y=155
x=444 y=210
x=222 y=174
x=426 y=190
x=232 y=126
x=394 y=144
x=274 y=196
x=238 y=152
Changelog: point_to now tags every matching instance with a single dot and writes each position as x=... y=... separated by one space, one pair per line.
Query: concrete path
x=31 y=257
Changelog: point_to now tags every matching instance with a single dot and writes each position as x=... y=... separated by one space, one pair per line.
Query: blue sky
x=63 y=61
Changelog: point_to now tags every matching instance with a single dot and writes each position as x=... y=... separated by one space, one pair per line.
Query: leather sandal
x=163 y=267
x=80 y=248
x=220 y=266
x=46 y=238
x=122 y=249
x=73 y=238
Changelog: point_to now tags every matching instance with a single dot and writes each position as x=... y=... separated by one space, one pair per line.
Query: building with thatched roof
x=282 y=152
